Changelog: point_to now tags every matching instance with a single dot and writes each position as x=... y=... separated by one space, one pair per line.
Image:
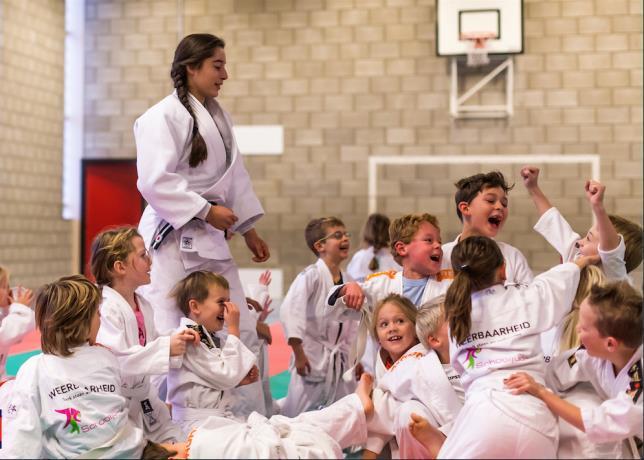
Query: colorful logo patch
x=73 y=417
x=471 y=356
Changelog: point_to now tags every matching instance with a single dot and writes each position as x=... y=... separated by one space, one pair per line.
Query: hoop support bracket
x=457 y=106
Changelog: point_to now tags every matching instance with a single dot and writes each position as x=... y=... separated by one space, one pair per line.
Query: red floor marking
x=279 y=353
x=30 y=342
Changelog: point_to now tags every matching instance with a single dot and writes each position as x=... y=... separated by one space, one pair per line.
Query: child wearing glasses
x=319 y=336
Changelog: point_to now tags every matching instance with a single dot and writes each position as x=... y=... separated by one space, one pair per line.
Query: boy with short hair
x=416 y=245
x=610 y=329
x=482 y=206
x=319 y=336
x=615 y=240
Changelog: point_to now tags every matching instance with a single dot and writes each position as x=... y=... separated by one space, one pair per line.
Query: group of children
x=429 y=350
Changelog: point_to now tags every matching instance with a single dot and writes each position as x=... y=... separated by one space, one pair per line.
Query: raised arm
x=530 y=175
x=608 y=237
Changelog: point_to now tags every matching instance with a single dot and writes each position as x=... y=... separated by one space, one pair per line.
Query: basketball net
x=477 y=51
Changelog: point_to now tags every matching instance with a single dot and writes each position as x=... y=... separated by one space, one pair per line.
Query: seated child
x=121 y=264
x=416 y=244
x=199 y=388
x=482 y=206
x=16 y=318
x=319 y=336
x=315 y=434
x=67 y=401
x=610 y=330
x=375 y=255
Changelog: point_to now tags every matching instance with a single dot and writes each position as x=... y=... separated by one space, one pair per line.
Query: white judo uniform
x=179 y=195
x=557 y=231
x=119 y=332
x=316 y=434
x=70 y=407
x=517 y=270
x=199 y=388
x=375 y=288
x=503 y=339
x=422 y=385
x=327 y=334
x=358 y=266
x=16 y=321
x=619 y=418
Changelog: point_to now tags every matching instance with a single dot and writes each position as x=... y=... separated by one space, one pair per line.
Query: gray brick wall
x=35 y=242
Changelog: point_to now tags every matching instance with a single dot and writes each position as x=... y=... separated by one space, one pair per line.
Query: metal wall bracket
x=457 y=106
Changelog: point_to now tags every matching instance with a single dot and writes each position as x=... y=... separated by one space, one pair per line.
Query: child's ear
x=611 y=344
x=433 y=341
x=464 y=207
x=118 y=267
x=193 y=306
x=401 y=248
x=319 y=247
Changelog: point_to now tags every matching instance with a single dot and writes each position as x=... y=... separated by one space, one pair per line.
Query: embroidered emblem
x=572 y=359
x=471 y=356
x=635 y=384
x=391 y=274
x=73 y=417
x=186 y=242
x=445 y=274
x=148 y=412
x=203 y=337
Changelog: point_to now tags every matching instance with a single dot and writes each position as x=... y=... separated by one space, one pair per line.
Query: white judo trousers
x=180 y=195
x=316 y=434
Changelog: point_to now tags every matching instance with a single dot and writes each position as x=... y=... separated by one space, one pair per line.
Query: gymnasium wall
x=35 y=242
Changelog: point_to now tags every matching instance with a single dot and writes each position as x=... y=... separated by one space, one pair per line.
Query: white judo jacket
x=326 y=333
x=70 y=407
x=620 y=416
x=504 y=338
x=198 y=389
x=177 y=193
x=120 y=333
x=16 y=321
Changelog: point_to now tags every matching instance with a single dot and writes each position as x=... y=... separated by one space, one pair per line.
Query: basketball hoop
x=477 y=51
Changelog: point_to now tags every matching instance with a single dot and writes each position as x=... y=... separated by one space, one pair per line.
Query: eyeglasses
x=336 y=236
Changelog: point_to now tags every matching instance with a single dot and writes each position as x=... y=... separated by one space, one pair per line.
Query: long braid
x=198 y=152
x=191 y=52
x=376 y=234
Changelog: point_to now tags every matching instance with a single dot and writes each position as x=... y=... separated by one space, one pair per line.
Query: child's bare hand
x=265 y=278
x=231 y=315
x=24 y=296
x=595 y=192
x=179 y=340
x=266 y=309
x=251 y=377
x=353 y=296
x=530 y=175
x=302 y=364
x=521 y=383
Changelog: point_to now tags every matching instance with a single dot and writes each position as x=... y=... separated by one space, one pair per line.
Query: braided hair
x=376 y=234
x=191 y=52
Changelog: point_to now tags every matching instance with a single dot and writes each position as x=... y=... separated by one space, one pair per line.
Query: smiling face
x=590 y=337
x=210 y=312
x=396 y=333
x=138 y=264
x=486 y=213
x=589 y=245
x=207 y=79
x=335 y=244
x=422 y=256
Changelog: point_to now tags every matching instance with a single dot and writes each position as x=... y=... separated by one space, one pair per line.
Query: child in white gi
x=393 y=328
x=375 y=255
x=16 y=318
x=67 y=401
x=315 y=434
x=121 y=264
x=319 y=335
x=199 y=388
x=416 y=244
x=192 y=175
x=482 y=206
x=610 y=330
x=494 y=331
